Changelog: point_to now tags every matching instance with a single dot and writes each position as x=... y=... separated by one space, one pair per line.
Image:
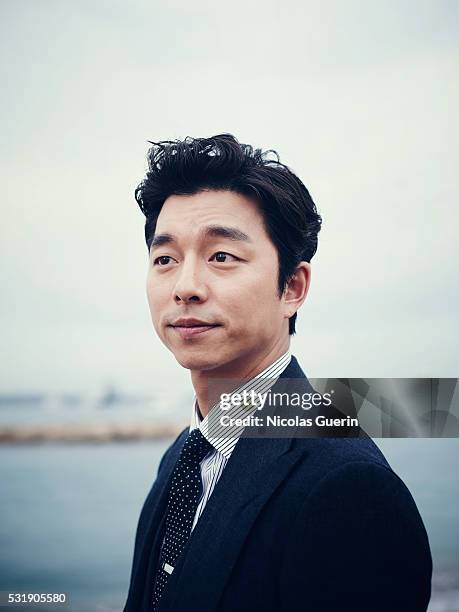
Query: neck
x=230 y=376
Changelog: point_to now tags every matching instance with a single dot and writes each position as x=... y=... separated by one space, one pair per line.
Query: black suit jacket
x=293 y=525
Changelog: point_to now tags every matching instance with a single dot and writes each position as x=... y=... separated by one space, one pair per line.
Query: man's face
x=212 y=282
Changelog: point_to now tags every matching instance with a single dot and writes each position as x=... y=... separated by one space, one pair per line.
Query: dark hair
x=185 y=167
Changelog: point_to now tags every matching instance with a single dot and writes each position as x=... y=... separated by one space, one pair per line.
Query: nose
x=190 y=286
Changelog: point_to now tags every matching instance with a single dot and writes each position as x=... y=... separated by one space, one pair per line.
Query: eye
x=222 y=257
x=163 y=260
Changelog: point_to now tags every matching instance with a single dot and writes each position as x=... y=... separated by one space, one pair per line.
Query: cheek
x=154 y=302
x=253 y=308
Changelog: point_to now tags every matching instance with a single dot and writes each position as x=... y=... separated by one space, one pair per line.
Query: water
x=68 y=518
x=69 y=513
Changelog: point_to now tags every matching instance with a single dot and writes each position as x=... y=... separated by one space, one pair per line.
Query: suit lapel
x=149 y=532
x=255 y=470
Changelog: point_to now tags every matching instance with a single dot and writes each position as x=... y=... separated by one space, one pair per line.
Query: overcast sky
x=359 y=98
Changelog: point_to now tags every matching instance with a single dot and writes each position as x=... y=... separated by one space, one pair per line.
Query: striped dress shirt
x=215 y=461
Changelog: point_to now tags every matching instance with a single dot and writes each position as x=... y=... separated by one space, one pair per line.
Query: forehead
x=191 y=212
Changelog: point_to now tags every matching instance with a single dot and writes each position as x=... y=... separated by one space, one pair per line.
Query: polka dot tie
x=184 y=496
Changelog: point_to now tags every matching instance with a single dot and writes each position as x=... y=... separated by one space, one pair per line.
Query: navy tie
x=184 y=497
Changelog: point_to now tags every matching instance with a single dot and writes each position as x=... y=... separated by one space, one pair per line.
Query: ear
x=297 y=289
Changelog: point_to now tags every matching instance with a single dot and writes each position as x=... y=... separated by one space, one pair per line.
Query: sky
x=359 y=98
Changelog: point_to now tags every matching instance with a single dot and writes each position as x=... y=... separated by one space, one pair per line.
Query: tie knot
x=196 y=446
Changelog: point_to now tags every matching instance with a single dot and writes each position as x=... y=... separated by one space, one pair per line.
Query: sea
x=68 y=513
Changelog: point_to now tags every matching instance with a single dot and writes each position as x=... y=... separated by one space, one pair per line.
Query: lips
x=189 y=328
x=191 y=322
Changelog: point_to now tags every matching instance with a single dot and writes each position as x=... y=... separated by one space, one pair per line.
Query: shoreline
x=24 y=434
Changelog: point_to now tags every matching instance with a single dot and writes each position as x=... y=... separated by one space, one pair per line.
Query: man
x=235 y=522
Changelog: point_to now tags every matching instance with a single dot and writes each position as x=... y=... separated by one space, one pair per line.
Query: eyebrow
x=211 y=231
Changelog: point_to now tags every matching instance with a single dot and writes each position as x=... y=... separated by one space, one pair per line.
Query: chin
x=196 y=361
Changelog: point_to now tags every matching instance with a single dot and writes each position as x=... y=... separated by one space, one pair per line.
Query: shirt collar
x=258 y=384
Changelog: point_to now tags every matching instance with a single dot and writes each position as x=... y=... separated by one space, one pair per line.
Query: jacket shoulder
x=330 y=453
x=358 y=520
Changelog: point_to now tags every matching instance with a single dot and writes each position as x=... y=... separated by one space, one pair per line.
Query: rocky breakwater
x=88 y=432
